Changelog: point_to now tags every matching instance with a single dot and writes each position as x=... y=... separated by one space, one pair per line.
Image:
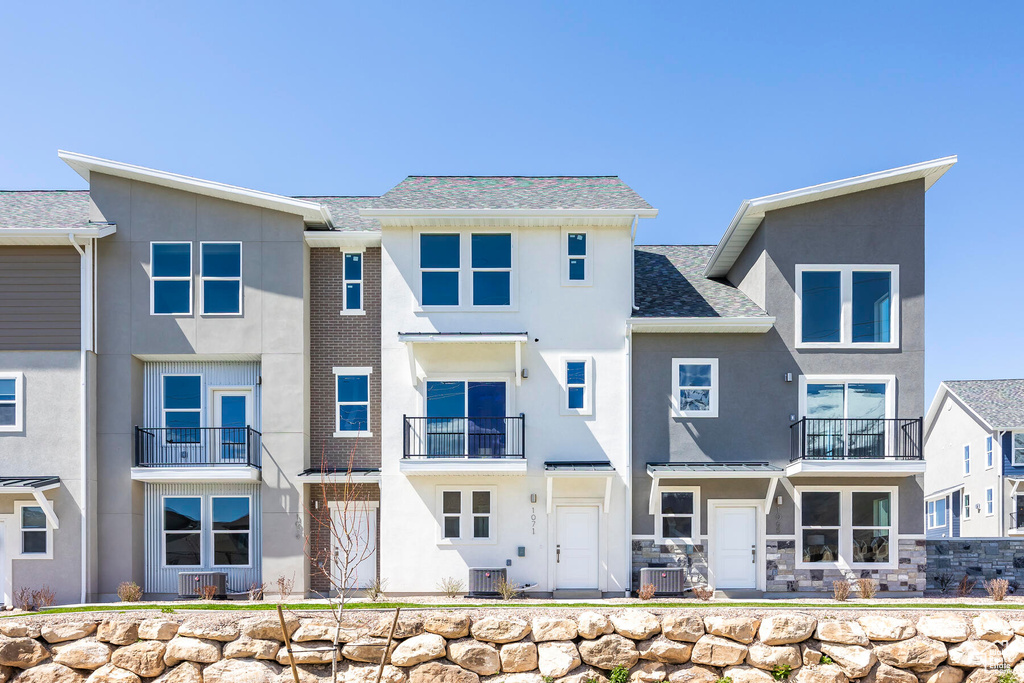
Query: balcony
x=874 y=446
x=467 y=445
x=197 y=454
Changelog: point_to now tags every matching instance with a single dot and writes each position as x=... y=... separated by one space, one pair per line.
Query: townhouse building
x=778 y=390
x=974 y=446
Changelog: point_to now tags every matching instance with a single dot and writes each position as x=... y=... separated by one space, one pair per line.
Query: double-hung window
x=967 y=459
x=695 y=387
x=170 y=278
x=577 y=377
x=183 y=531
x=492 y=269
x=183 y=408
x=231 y=520
x=440 y=259
x=967 y=506
x=34 y=532
x=221 y=276
x=989 y=461
x=11 y=402
x=990 y=505
x=1018 y=448
x=845 y=525
x=677 y=516
x=467 y=515
x=352 y=283
x=352 y=387
x=847 y=306
x=575 y=266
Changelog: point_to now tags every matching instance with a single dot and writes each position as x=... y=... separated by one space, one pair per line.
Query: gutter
x=632 y=263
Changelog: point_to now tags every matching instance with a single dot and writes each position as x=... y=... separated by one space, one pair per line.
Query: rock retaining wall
x=456 y=647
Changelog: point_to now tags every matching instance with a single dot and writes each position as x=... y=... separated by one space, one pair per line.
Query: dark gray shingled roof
x=670 y=283
x=999 y=402
x=21 y=210
x=512 y=192
x=345 y=212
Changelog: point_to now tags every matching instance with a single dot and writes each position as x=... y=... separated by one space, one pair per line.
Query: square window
x=440 y=288
x=677 y=503
x=171 y=278
x=492 y=251
x=492 y=288
x=451 y=527
x=695 y=387
x=439 y=251
x=481 y=527
x=481 y=502
x=677 y=527
x=452 y=502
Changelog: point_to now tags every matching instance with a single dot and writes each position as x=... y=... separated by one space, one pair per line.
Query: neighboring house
x=778 y=391
x=505 y=408
x=47 y=381
x=974 y=446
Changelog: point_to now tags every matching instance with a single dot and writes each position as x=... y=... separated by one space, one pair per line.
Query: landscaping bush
x=646 y=591
x=450 y=586
x=508 y=590
x=841 y=590
x=129 y=591
x=867 y=588
x=997 y=588
x=257 y=590
x=375 y=590
x=703 y=592
x=966 y=586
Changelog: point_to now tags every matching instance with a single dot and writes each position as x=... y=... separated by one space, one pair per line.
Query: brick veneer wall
x=320 y=496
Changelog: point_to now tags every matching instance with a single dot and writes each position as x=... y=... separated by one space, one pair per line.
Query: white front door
x=576 y=546
x=735 y=545
x=232 y=414
x=354 y=546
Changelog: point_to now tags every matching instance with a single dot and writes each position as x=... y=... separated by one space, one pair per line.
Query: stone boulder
x=449 y=625
x=183 y=649
x=1013 y=652
x=887 y=628
x=784 y=629
x=666 y=651
x=50 y=673
x=18 y=629
x=495 y=630
x=740 y=629
x=810 y=652
x=518 y=657
x=252 y=648
x=992 y=628
x=365 y=674
x=407 y=626
x=883 y=673
x=942 y=674
x=418 y=649
x=648 y=672
x=983 y=676
x=845 y=632
x=768 y=657
x=311 y=629
x=608 y=652
x=22 y=653
x=854 y=660
x=196 y=628
x=108 y=673
x=309 y=653
x=240 y=671
x=717 y=651
x=367 y=649
x=557 y=658
x=144 y=658
x=636 y=624
x=591 y=625
x=821 y=673
x=82 y=654
x=480 y=658
x=747 y=674
x=72 y=630
x=118 y=631
x=693 y=673
x=687 y=629
x=186 y=672
x=157 y=629
x=268 y=627
x=435 y=672
x=919 y=654
x=975 y=653
x=552 y=628
x=948 y=629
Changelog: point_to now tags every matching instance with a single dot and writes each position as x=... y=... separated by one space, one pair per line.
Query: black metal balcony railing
x=1017 y=519
x=855 y=439
x=196 y=446
x=465 y=437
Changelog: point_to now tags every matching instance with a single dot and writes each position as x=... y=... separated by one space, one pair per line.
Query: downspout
x=1002 y=482
x=632 y=262
x=629 y=409
x=85 y=344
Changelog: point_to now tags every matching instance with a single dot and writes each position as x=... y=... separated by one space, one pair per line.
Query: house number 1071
x=533 y=521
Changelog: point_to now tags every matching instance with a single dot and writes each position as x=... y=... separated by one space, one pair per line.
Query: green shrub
x=781 y=672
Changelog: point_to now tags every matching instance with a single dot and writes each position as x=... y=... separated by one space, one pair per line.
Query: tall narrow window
x=481 y=514
x=847 y=306
x=967 y=459
x=183 y=404
x=11 y=408
x=821 y=301
x=1018 y=448
x=171 y=278
x=439 y=265
x=990 y=506
x=967 y=506
x=33 y=530
x=871 y=522
x=576 y=254
x=353 y=282
x=820 y=519
x=872 y=301
x=451 y=507
x=353 y=401
x=183 y=526
x=231 y=530
x=695 y=387
x=988 y=452
x=577 y=378
x=492 y=269
x=221 y=264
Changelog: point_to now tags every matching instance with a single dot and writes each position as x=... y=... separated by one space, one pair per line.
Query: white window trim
x=930 y=514
x=214 y=532
x=21 y=554
x=203 y=278
x=352 y=433
x=990 y=458
x=966 y=499
x=990 y=502
x=846 y=527
x=166 y=278
x=1014 y=449
x=588 y=389
x=712 y=410
x=846 y=306
x=888 y=380
x=203 y=519
x=164 y=409
x=466 y=516
x=694 y=538
x=19 y=402
x=565 y=257
x=345 y=282
x=465 y=270
x=967 y=459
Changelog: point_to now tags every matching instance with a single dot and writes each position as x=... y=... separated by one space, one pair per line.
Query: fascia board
x=505 y=213
x=733 y=325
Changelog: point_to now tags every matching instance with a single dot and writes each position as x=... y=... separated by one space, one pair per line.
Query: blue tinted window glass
x=695 y=375
x=575 y=398
x=8 y=414
x=575 y=372
x=221 y=296
x=222 y=260
x=492 y=251
x=353 y=388
x=172 y=260
x=577 y=244
x=695 y=399
x=492 y=288
x=353 y=418
x=353 y=266
x=172 y=296
x=232 y=411
x=32 y=518
x=182 y=391
x=825 y=401
x=6 y=389
x=230 y=514
x=872 y=299
x=440 y=289
x=353 y=296
x=182 y=514
x=446 y=399
x=486 y=399
x=439 y=251
x=186 y=420
x=821 y=303
x=577 y=269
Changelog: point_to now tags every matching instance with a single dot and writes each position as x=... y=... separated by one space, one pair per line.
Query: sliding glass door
x=846 y=420
x=466 y=418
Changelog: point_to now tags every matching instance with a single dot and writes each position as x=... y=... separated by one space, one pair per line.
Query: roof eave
x=49 y=236
x=722 y=325
x=342 y=238
x=505 y=213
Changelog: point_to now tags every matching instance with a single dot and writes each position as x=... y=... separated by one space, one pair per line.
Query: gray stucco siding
x=41 y=304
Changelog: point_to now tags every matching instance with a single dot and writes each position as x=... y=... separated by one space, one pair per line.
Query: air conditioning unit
x=483 y=581
x=191 y=584
x=666 y=580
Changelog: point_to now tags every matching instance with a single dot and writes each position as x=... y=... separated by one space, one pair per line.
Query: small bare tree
x=339 y=539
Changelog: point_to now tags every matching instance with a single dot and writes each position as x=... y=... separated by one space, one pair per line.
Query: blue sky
x=696 y=105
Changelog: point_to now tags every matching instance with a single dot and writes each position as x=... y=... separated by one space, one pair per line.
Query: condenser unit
x=484 y=581
x=192 y=584
x=666 y=580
